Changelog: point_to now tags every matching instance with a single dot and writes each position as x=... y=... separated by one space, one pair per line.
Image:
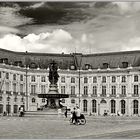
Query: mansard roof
x=65 y=61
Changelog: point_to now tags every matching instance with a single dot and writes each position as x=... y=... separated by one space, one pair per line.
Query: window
x=43 y=89
x=14 y=87
x=32 y=78
x=7 y=75
x=72 y=101
x=8 y=99
x=43 y=79
x=85 y=105
x=113 y=79
x=43 y=100
x=62 y=79
x=0 y=98
x=104 y=79
x=85 y=80
x=7 y=86
x=123 y=78
x=85 y=90
x=135 y=78
x=113 y=106
x=22 y=99
x=62 y=89
x=136 y=89
x=15 y=99
x=113 y=90
x=21 y=77
x=135 y=107
x=94 y=109
x=21 y=87
x=14 y=76
x=72 y=80
x=103 y=90
x=94 y=90
x=33 y=89
x=94 y=79
x=33 y=100
x=122 y=106
x=0 y=74
x=73 y=90
x=123 y=90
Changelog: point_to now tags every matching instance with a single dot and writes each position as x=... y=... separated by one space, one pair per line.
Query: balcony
x=135 y=95
x=15 y=93
x=72 y=95
x=22 y=93
x=122 y=95
x=8 y=92
x=102 y=95
x=93 y=95
x=84 y=95
x=33 y=94
x=112 y=95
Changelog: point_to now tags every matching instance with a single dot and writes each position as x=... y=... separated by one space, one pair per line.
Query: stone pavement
x=52 y=126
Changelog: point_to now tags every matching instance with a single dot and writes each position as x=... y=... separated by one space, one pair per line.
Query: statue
x=53 y=75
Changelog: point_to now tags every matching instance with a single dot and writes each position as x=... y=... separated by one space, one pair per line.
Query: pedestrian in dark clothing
x=66 y=112
x=74 y=117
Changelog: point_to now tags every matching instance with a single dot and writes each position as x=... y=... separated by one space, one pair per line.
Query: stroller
x=80 y=120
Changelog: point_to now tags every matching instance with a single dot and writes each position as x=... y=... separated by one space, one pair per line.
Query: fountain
x=53 y=96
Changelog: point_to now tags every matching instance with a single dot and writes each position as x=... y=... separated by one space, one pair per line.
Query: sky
x=69 y=27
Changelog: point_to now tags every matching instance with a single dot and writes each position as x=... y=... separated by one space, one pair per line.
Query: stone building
x=98 y=83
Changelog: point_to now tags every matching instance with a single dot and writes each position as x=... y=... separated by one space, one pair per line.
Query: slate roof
x=64 y=61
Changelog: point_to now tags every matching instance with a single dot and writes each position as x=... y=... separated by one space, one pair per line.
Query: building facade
x=98 y=83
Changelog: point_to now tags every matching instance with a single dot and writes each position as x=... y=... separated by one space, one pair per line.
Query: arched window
x=113 y=79
x=135 y=107
x=72 y=80
x=14 y=76
x=33 y=100
x=15 y=108
x=123 y=79
x=94 y=106
x=135 y=78
x=85 y=105
x=104 y=79
x=94 y=79
x=32 y=78
x=113 y=106
x=85 y=80
x=123 y=106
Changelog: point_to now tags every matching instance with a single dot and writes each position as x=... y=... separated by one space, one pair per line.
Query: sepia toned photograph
x=69 y=70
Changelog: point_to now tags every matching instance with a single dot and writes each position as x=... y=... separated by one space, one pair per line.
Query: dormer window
x=87 y=66
x=105 y=65
x=72 y=67
x=124 y=64
x=33 y=65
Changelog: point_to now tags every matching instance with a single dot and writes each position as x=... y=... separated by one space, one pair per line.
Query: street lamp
x=26 y=82
x=79 y=73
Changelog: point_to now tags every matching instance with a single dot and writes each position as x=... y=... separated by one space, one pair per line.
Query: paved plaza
x=52 y=126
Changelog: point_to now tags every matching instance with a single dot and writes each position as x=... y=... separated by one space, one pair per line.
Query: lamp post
x=26 y=84
x=79 y=75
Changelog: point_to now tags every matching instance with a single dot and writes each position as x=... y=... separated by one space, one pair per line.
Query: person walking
x=74 y=117
x=66 y=112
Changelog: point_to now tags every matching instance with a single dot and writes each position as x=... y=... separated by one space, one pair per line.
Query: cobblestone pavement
x=59 y=127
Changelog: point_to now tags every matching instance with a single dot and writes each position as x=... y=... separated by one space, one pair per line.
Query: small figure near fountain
x=53 y=96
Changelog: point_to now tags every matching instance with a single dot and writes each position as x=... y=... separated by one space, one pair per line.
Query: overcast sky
x=82 y=27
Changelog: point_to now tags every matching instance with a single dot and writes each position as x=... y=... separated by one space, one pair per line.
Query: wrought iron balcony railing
x=102 y=95
x=93 y=95
x=22 y=93
x=84 y=95
x=33 y=94
x=8 y=92
x=112 y=95
x=122 y=95
x=135 y=95
x=72 y=95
